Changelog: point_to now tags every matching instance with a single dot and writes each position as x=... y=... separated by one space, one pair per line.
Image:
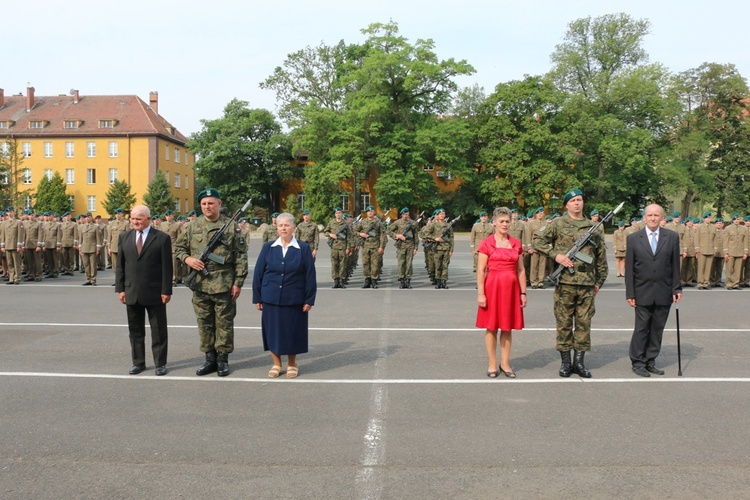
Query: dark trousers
x=649 y=328
x=157 y=319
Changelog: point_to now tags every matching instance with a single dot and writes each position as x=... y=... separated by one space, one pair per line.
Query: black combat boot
x=374 y=283
x=438 y=284
x=368 y=283
x=209 y=366
x=408 y=283
x=445 y=284
x=565 y=367
x=222 y=360
x=336 y=283
x=402 y=282
x=578 y=366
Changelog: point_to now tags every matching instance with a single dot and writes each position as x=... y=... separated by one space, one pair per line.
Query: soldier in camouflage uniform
x=745 y=279
x=574 y=295
x=307 y=231
x=479 y=231
x=214 y=295
x=405 y=232
x=370 y=230
x=428 y=247
x=337 y=232
x=270 y=234
x=441 y=234
x=173 y=228
x=114 y=230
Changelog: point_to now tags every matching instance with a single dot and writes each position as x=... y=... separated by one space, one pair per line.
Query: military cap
x=735 y=216
x=594 y=212
x=676 y=214
x=208 y=193
x=306 y=211
x=65 y=214
x=169 y=212
x=621 y=223
x=439 y=211
x=88 y=214
x=530 y=214
x=9 y=209
x=696 y=220
x=156 y=215
x=719 y=219
x=514 y=210
x=669 y=219
x=540 y=209
x=192 y=212
x=747 y=217
x=571 y=194
x=111 y=219
x=119 y=210
x=707 y=214
x=483 y=212
x=345 y=216
x=369 y=207
x=404 y=210
x=477 y=221
x=80 y=216
x=275 y=214
x=182 y=217
x=338 y=209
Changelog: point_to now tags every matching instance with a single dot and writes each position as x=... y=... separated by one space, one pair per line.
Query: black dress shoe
x=161 y=370
x=136 y=369
x=639 y=370
x=654 y=369
x=88 y=283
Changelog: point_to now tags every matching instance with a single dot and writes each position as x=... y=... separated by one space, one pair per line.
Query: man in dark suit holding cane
x=143 y=280
x=652 y=283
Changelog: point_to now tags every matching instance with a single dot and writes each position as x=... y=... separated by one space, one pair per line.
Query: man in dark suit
x=143 y=280
x=652 y=283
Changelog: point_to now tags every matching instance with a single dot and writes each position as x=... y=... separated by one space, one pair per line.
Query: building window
x=48 y=173
x=166 y=152
x=365 y=199
x=176 y=155
x=91 y=203
x=27 y=176
x=48 y=150
x=36 y=124
x=91 y=175
x=113 y=149
x=187 y=206
x=26 y=149
x=177 y=205
x=69 y=150
x=70 y=176
x=6 y=178
x=344 y=203
x=72 y=203
x=176 y=180
x=186 y=158
x=166 y=176
x=91 y=149
x=301 y=200
x=186 y=181
x=71 y=124
x=5 y=149
x=429 y=167
x=112 y=175
x=106 y=124
x=27 y=205
x=5 y=124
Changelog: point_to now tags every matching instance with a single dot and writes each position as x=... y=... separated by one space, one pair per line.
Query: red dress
x=503 y=311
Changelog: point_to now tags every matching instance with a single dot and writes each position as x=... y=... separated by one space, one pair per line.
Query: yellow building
x=93 y=141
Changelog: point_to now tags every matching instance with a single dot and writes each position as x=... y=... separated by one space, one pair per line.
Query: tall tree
x=158 y=197
x=244 y=154
x=12 y=172
x=119 y=195
x=51 y=195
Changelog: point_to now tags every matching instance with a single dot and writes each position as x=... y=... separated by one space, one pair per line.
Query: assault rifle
x=431 y=243
x=575 y=250
x=411 y=227
x=339 y=234
x=208 y=252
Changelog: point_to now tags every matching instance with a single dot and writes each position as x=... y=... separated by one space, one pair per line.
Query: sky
x=200 y=55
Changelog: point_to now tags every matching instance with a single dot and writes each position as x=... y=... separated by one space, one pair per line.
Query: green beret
x=483 y=212
x=530 y=214
x=338 y=209
x=169 y=212
x=306 y=211
x=439 y=211
x=156 y=216
x=118 y=210
x=514 y=210
x=275 y=214
x=540 y=209
x=594 y=212
x=87 y=214
x=621 y=223
x=669 y=219
x=10 y=209
x=676 y=214
x=404 y=210
x=719 y=219
x=191 y=213
x=477 y=221
x=747 y=217
x=707 y=214
x=571 y=194
x=208 y=193
x=696 y=220
x=735 y=216
x=369 y=207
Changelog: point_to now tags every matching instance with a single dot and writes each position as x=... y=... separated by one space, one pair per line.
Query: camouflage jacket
x=436 y=230
x=233 y=248
x=308 y=232
x=559 y=236
x=335 y=228
x=270 y=234
x=401 y=225
x=375 y=229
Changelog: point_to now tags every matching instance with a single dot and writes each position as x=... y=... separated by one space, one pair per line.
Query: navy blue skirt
x=284 y=329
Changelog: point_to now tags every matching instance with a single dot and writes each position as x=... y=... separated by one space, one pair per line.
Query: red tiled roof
x=132 y=115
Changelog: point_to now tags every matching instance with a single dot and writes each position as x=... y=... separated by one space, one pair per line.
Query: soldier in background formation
x=337 y=231
x=405 y=232
x=114 y=230
x=620 y=237
x=12 y=239
x=538 y=260
x=173 y=228
x=270 y=233
x=33 y=246
x=307 y=231
x=89 y=247
x=479 y=231
x=440 y=236
x=373 y=239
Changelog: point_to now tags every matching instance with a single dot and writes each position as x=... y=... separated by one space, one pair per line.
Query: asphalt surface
x=392 y=400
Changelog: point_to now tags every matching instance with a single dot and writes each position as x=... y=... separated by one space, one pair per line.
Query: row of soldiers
x=709 y=248
x=48 y=245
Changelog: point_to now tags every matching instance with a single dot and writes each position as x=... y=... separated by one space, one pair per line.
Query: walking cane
x=679 y=354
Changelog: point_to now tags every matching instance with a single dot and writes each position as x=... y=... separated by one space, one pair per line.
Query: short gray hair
x=141 y=209
x=501 y=211
x=288 y=216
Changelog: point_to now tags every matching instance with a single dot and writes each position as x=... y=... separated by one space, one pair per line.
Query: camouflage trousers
x=215 y=313
x=574 y=303
x=429 y=262
x=442 y=259
x=405 y=257
x=338 y=262
x=370 y=262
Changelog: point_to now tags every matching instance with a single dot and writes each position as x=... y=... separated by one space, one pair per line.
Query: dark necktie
x=139 y=243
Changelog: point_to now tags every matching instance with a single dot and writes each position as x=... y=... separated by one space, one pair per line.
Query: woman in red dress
x=501 y=284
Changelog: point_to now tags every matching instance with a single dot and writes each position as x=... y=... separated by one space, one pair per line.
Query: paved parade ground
x=392 y=400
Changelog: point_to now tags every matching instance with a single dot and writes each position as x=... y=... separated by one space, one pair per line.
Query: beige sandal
x=292 y=371
x=275 y=371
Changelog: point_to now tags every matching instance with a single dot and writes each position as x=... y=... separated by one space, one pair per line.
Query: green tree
x=51 y=195
x=244 y=154
x=158 y=197
x=119 y=196
x=291 y=205
x=11 y=173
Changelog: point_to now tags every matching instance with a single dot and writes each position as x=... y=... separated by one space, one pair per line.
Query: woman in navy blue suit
x=284 y=288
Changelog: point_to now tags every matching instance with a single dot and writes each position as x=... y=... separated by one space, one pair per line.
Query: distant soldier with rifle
x=216 y=252
x=371 y=230
x=481 y=230
x=440 y=233
x=337 y=232
x=307 y=231
x=406 y=234
x=581 y=274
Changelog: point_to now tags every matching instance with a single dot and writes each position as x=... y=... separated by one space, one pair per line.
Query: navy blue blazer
x=285 y=281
